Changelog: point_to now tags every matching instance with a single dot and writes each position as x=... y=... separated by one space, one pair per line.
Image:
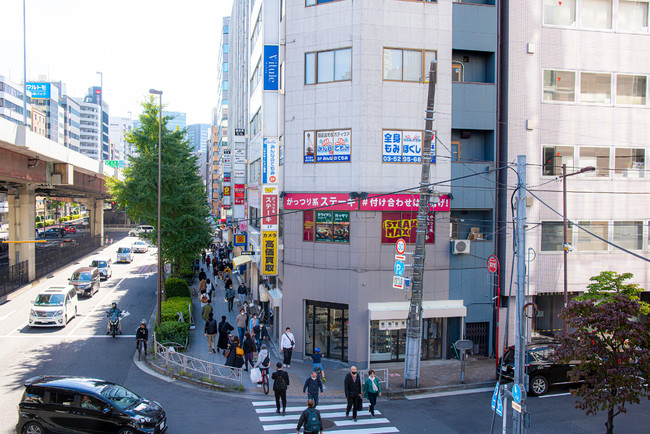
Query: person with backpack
x=235 y=354
x=312 y=386
x=210 y=331
x=310 y=418
x=280 y=383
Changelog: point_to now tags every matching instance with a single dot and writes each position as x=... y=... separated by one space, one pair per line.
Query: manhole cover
x=327 y=423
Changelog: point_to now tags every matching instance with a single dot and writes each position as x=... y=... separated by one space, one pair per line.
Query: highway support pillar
x=22 y=227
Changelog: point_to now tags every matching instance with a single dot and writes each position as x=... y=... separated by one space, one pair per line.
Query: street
x=82 y=348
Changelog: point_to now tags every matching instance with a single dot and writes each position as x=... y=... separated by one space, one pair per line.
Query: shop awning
x=276 y=296
x=430 y=309
x=241 y=260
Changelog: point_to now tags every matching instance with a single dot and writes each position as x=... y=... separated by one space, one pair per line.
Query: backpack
x=312 y=424
x=266 y=361
x=279 y=384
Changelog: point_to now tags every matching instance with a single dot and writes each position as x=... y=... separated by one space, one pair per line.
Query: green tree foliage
x=609 y=345
x=184 y=209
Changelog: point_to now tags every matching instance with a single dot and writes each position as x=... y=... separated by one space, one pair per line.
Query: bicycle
x=319 y=374
x=265 y=380
x=140 y=345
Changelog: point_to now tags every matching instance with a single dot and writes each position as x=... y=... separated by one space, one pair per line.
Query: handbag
x=256 y=375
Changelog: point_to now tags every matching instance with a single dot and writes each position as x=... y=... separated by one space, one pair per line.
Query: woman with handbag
x=235 y=354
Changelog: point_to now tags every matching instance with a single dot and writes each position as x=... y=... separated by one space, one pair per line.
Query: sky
x=169 y=45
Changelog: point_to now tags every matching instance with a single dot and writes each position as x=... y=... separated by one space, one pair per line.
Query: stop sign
x=492 y=264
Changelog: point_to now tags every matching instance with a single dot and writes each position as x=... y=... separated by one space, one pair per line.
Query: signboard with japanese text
x=226 y=179
x=392 y=146
x=308 y=226
x=270 y=209
x=240 y=153
x=400 y=202
x=333 y=146
x=270 y=160
x=240 y=173
x=269 y=249
x=39 y=90
x=412 y=147
x=333 y=201
x=396 y=225
x=271 y=68
x=226 y=190
x=309 y=147
x=115 y=163
x=400 y=146
x=341 y=227
x=240 y=239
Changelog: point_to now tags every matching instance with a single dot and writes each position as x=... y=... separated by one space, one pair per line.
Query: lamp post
x=565 y=245
x=159 y=283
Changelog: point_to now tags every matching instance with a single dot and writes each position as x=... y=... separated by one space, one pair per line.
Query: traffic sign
x=495 y=396
x=399 y=268
x=400 y=257
x=400 y=246
x=398 y=282
x=516 y=393
x=499 y=409
x=492 y=264
x=516 y=407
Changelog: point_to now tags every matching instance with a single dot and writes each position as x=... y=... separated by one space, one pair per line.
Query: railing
x=381 y=374
x=13 y=277
x=199 y=369
x=63 y=252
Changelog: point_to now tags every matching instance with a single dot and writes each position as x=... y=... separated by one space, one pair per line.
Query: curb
x=437 y=389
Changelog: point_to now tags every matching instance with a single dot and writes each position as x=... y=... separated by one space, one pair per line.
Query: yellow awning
x=243 y=259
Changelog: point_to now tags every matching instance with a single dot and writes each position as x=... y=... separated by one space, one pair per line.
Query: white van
x=54 y=307
x=142 y=229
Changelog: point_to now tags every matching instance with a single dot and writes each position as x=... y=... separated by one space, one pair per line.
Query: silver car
x=139 y=247
x=103 y=264
x=124 y=254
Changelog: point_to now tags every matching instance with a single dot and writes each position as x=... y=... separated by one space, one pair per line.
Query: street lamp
x=565 y=245
x=159 y=283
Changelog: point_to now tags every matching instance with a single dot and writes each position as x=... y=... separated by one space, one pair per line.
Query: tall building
x=11 y=102
x=72 y=119
x=178 y=120
x=94 y=128
x=197 y=135
x=119 y=126
x=46 y=97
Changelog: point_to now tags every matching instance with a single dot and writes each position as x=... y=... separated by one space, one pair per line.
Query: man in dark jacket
x=249 y=350
x=312 y=386
x=142 y=334
x=224 y=329
x=210 y=331
x=280 y=383
x=352 y=386
x=310 y=417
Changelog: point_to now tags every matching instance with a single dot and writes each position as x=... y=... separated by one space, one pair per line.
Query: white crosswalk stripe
x=334 y=413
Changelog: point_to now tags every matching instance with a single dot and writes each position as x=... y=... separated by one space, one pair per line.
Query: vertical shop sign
x=270 y=209
x=269 y=253
x=270 y=155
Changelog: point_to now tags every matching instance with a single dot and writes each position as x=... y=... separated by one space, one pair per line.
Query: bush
x=173 y=331
x=187 y=274
x=39 y=224
x=169 y=309
x=38 y=218
x=177 y=287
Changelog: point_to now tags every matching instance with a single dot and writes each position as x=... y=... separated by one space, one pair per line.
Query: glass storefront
x=390 y=345
x=326 y=327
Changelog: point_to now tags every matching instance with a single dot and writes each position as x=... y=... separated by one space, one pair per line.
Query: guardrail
x=381 y=374
x=199 y=369
x=13 y=277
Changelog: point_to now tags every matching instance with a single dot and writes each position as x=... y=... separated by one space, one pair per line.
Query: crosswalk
x=333 y=416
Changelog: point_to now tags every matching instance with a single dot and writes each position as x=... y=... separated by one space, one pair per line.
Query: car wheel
x=538 y=385
x=65 y=320
x=33 y=428
x=126 y=431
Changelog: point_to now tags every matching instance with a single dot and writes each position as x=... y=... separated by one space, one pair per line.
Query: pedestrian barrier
x=13 y=277
x=196 y=368
x=381 y=374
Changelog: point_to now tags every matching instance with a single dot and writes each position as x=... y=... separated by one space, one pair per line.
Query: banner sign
x=240 y=190
x=226 y=190
x=269 y=160
x=240 y=239
x=269 y=253
x=39 y=90
x=226 y=179
x=240 y=173
x=114 y=163
x=400 y=202
x=396 y=225
x=271 y=78
x=333 y=201
x=331 y=146
x=270 y=210
x=342 y=202
x=405 y=146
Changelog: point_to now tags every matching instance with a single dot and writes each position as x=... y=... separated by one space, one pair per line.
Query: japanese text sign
x=400 y=202
x=270 y=160
x=269 y=253
x=39 y=90
x=333 y=201
x=269 y=211
x=396 y=225
x=405 y=146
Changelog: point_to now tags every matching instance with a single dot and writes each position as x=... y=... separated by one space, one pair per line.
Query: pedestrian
x=202 y=275
x=224 y=330
x=214 y=261
x=312 y=386
x=310 y=417
x=316 y=363
x=264 y=299
x=230 y=297
x=235 y=354
x=256 y=333
x=252 y=323
x=207 y=260
x=247 y=311
x=241 y=324
x=227 y=281
x=206 y=311
x=249 y=350
x=280 y=383
x=352 y=387
x=241 y=293
x=287 y=344
x=210 y=331
x=371 y=390
x=203 y=284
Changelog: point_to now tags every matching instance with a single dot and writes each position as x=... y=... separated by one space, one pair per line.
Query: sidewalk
x=436 y=376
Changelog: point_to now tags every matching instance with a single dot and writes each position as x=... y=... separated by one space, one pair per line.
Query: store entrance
x=326 y=327
x=389 y=345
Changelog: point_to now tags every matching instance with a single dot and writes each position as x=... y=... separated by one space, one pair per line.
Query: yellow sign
x=269 y=253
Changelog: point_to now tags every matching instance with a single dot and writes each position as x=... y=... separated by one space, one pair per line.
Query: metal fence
x=13 y=277
x=381 y=374
x=63 y=252
x=199 y=369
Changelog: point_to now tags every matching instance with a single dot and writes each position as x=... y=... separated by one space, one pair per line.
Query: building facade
x=11 y=101
x=72 y=119
x=197 y=135
x=119 y=126
x=177 y=122
x=94 y=125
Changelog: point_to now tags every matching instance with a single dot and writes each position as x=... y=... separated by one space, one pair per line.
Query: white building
x=118 y=127
x=11 y=101
x=94 y=125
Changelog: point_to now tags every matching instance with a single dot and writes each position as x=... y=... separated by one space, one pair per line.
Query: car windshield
x=124 y=250
x=541 y=354
x=81 y=276
x=49 y=300
x=100 y=264
x=119 y=396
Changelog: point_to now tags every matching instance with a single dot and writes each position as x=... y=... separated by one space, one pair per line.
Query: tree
x=610 y=346
x=184 y=210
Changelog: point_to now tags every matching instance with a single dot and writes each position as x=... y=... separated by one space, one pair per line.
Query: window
x=560 y=13
x=553 y=236
x=629 y=235
x=595 y=88
x=456 y=71
x=326 y=226
x=225 y=48
x=256 y=77
x=407 y=65
x=554 y=157
x=33 y=394
x=62 y=398
x=224 y=85
x=254 y=217
x=631 y=89
x=587 y=242
x=225 y=67
x=559 y=85
x=255 y=124
x=396 y=225
x=328 y=66
x=596 y=157
x=629 y=163
x=596 y=14
x=633 y=15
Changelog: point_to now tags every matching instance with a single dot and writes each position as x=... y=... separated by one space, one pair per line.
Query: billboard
x=270 y=160
x=39 y=90
x=271 y=68
x=269 y=253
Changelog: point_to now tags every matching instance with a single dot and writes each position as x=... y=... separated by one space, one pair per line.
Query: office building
x=197 y=135
x=11 y=102
x=46 y=97
x=94 y=125
x=119 y=126
x=177 y=122
x=72 y=119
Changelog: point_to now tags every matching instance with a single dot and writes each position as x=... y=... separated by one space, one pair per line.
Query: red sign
x=400 y=202
x=396 y=225
x=239 y=201
x=400 y=246
x=342 y=202
x=240 y=190
x=492 y=264
x=333 y=201
x=269 y=211
x=226 y=179
x=226 y=191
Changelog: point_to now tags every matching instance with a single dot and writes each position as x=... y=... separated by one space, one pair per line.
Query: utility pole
x=414 y=324
x=520 y=333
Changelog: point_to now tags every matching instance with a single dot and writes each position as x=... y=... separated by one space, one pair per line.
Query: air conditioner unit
x=460 y=247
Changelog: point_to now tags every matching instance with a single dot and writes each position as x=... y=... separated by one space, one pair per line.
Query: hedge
x=169 y=309
x=177 y=287
x=173 y=331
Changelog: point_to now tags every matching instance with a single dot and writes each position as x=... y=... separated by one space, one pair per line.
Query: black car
x=542 y=371
x=53 y=233
x=77 y=404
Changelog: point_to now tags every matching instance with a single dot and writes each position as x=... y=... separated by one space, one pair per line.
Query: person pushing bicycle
x=142 y=335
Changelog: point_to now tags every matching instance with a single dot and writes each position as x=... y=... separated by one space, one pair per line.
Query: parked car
x=70 y=228
x=54 y=307
x=124 y=254
x=78 y=404
x=542 y=371
x=104 y=265
x=139 y=247
x=53 y=233
x=85 y=280
x=142 y=229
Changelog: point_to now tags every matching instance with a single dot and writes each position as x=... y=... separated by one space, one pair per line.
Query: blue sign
x=271 y=68
x=495 y=396
x=499 y=409
x=399 y=268
x=39 y=90
x=516 y=393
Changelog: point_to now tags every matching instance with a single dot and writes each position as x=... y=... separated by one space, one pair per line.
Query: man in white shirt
x=264 y=300
x=287 y=344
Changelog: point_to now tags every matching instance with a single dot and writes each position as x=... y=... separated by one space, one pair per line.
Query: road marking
x=101 y=303
x=40 y=336
x=451 y=393
x=365 y=421
x=325 y=415
x=7 y=315
x=554 y=395
x=302 y=407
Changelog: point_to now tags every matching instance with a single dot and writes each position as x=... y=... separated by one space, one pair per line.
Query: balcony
x=474 y=27
x=473 y=106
